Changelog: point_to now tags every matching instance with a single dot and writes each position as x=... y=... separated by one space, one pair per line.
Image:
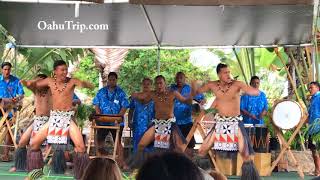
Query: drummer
x=183 y=111
x=254 y=108
x=314 y=120
x=11 y=91
x=111 y=100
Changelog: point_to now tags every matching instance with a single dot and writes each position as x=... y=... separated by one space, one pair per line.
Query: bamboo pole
x=287 y=70
x=305 y=66
x=310 y=75
x=299 y=76
x=249 y=62
x=253 y=61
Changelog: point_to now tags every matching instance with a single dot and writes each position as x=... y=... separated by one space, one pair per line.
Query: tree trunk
x=108 y=60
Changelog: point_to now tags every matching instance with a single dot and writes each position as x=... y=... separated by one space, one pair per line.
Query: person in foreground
x=102 y=169
x=169 y=166
x=229 y=134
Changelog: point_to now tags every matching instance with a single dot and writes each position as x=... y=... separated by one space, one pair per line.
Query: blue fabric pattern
x=255 y=105
x=142 y=118
x=314 y=114
x=111 y=102
x=10 y=89
x=182 y=111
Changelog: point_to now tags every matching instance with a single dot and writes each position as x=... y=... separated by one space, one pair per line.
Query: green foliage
x=40 y=60
x=87 y=70
x=83 y=112
x=143 y=63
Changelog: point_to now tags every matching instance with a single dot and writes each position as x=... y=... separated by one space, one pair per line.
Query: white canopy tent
x=82 y=24
x=160 y=24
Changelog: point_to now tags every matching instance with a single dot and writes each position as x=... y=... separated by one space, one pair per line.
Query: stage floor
x=5 y=175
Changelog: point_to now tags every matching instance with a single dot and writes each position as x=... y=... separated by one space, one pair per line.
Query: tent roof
x=134 y=25
x=221 y=2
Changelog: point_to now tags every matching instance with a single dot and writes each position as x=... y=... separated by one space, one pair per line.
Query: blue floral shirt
x=255 y=105
x=142 y=117
x=10 y=89
x=111 y=102
x=182 y=111
x=75 y=97
x=314 y=113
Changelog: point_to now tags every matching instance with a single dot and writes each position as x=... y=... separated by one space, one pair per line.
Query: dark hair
x=178 y=73
x=220 y=66
x=43 y=76
x=102 y=169
x=114 y=74
x=147 y=79
x=58 y=63
x=160 y=77
x=6 y=64
x=315 y=83
x=169 y=165
x=253 y=78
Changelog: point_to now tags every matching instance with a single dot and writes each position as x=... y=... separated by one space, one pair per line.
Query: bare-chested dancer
x=228 y=133
x=42 y=104
x=60 y=124
x=164 y=132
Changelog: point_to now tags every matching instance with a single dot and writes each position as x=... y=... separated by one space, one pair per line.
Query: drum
x=286 y=114
x=108 y=118
x=261 y=139
x=250 y=131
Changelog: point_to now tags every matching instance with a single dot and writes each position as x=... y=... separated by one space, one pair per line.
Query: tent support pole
x=158 y=60
x=15 y=61
x=146 y=16
x=154 y=35
x=314 y=59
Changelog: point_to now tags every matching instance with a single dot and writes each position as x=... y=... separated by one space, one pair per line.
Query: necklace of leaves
x=64 y=86
x=225 y=90
x=164 y=97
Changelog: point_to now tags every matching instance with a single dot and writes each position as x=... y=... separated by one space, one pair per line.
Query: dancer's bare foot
x=13 y=169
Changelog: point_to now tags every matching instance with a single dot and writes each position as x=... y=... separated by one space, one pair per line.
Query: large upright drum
x=287 y=114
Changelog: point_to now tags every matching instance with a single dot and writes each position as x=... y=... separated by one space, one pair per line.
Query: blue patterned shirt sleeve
x=111 y=102
x=254 y=105
x=75 y=97
x=314 y=114
x=182 y=111
x=132 y=103
x=199 y=97
x=10 y=89
x=142 y=117
x=314 y=108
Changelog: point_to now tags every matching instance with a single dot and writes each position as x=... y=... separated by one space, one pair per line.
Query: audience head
x=169 y=166
x=102 y=169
